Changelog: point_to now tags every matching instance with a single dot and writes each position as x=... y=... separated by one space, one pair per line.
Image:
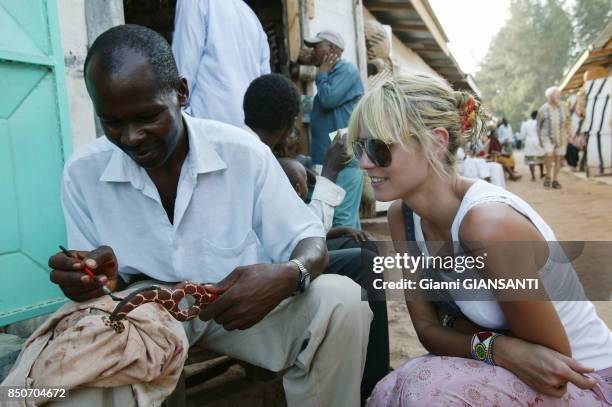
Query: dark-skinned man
x=339 y=88
x=168 y=197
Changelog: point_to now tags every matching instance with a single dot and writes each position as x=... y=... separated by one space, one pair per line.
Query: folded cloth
x=74 y=348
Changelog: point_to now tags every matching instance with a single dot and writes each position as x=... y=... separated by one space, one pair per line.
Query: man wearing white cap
x=339 y=88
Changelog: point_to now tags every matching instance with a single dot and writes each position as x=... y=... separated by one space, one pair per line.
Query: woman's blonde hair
x=408 y=107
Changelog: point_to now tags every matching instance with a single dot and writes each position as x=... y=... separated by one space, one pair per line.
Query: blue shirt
x=234 y=207
x=337 y=94
x=219 y=47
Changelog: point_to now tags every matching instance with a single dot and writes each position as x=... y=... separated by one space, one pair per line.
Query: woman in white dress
x=489 y=353
x=534 y=152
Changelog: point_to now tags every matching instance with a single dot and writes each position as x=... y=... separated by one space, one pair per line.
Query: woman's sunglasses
x=377 y=151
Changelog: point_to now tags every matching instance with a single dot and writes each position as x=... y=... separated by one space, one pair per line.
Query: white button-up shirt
x=219 y=47
x=234 y=207
x=504 y=134
x=326 y=196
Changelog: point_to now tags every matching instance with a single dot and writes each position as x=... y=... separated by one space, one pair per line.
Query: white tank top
x=589 y=337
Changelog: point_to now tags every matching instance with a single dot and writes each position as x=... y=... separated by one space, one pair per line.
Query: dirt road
x=579 y=211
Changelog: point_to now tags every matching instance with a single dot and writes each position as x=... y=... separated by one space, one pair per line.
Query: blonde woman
x=405 y=134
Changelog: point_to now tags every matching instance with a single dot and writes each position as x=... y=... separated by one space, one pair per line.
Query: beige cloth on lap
x=75 y=348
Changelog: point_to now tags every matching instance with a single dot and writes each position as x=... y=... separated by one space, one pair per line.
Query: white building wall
x=73 y=30
x=81 y=21
x=408 y=60
x=337 y=15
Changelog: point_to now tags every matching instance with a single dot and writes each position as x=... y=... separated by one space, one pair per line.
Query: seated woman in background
x=405 y=134
x=495 y=152
x=469 y=165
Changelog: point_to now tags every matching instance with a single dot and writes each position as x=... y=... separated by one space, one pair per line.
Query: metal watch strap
x=302 y=275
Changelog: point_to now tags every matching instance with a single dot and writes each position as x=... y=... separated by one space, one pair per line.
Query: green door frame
x=54 y=62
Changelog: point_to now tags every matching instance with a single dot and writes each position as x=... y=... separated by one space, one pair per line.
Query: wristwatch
x=303 y=278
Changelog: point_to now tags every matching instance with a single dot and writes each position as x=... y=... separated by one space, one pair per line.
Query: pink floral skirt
x=434 y=381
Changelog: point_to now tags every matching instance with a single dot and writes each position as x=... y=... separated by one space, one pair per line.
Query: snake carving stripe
x=169 y=298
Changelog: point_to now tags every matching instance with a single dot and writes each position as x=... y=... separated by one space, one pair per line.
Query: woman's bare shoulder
x=496 y=221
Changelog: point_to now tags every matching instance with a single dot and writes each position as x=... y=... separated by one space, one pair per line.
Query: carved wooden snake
x=169 y=298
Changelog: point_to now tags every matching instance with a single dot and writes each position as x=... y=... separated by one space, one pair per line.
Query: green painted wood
x=31 y=15
x=19 y=40
x=34 y=143
x=28 y=59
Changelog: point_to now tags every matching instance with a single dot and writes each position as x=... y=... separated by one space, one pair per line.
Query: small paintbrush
x=88 y=271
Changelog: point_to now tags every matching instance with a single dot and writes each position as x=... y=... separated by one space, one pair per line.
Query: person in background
x=219 y=47
x=553 y=131
x=534 y=153
x=576 y=140
x=270 y=108
x=324 y=201
x=519 y=140
x=495 y=152
x=358 y=268
x=288 y=148
x=326 y=195
x=504 y=133
x=271 y=104
x=339 y=88
x=471 y=166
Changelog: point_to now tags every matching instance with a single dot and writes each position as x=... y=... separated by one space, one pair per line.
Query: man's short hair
x=271 y=103
x=534 y=114
x=110 y=48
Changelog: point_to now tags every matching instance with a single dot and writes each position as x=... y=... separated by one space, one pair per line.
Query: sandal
x=556 y=185
x=547 y=182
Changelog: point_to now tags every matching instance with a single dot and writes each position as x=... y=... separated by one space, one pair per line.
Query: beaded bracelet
x=482 y=346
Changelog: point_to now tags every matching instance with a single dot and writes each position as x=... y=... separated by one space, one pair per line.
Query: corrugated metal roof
x=598 y=54
x=416 y=25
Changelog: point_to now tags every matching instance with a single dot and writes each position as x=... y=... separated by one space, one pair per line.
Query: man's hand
x=68 y=273
x=358 y=235
x=336 y=158
x=543 y=369
x=249 y=293
x=329 y=61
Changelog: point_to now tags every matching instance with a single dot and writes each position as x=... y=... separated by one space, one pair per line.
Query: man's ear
x=182 y=91
x=441 y=136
